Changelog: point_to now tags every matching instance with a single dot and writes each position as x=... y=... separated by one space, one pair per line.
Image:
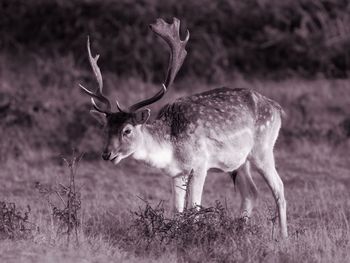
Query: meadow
x=315 y=173
x=124 y=212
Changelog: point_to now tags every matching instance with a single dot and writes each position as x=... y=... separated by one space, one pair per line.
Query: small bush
x=210 y=230
x=66 y=202
x=14 y=223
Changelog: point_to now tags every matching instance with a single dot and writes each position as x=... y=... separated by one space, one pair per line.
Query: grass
x=65 y=211
x=14 y=223
x=312 y=163
x=318 y=215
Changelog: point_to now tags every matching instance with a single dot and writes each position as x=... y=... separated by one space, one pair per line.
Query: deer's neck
x=154 y=149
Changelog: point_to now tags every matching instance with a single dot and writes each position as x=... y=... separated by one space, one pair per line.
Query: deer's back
x=218 y=111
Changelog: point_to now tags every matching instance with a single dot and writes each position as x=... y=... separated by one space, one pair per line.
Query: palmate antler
x=171 y=34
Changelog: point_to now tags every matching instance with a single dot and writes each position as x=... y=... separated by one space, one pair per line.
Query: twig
x=188 y=189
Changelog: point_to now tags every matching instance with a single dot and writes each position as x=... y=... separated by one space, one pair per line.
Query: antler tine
x=170 y=33
x=98 y=94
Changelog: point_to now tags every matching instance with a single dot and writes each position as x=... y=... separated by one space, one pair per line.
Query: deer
x=231 y=129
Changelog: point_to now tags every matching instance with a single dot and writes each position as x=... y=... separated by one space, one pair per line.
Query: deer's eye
x=126 y=132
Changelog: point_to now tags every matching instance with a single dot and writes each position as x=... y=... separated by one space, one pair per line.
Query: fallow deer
x=228 y=129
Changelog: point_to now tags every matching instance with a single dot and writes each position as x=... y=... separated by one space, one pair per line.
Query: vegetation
x=256 y=37
x=13 y=222
x=117 y=226
x=210 y=231
x=68 y=203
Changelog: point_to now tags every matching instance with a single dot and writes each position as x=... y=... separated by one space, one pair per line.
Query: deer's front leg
x=196 y=183
x=179 y=192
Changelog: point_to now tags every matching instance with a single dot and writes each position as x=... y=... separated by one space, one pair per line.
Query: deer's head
x=123 y=127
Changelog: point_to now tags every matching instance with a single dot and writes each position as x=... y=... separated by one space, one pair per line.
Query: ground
x=311 y=156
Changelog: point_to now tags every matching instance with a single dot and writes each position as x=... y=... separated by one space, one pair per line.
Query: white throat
x=155 y=151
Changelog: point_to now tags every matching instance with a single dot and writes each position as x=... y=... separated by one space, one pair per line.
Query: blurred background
x=297 y=52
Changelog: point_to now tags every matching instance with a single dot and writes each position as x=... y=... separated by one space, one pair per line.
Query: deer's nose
x=106 y=155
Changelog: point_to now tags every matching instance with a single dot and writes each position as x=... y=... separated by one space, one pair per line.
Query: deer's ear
x=99 y=116
x=142 y=116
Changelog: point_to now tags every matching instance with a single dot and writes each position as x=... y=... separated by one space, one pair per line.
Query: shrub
x=304 y=37
x=14 y=223
x=66 y=202
x=210 y=230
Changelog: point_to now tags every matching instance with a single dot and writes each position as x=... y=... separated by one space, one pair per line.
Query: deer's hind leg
x=263 y=159
x=265 y=165
x=247 y=189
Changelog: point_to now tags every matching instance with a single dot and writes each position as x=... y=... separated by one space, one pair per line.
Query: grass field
x=316 y=181
x=285 y=50
x=44 y=122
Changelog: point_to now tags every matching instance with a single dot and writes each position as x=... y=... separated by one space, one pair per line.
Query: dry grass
x=313 y=166
x=66 y=203
x=316 y=182
x=14 y=223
